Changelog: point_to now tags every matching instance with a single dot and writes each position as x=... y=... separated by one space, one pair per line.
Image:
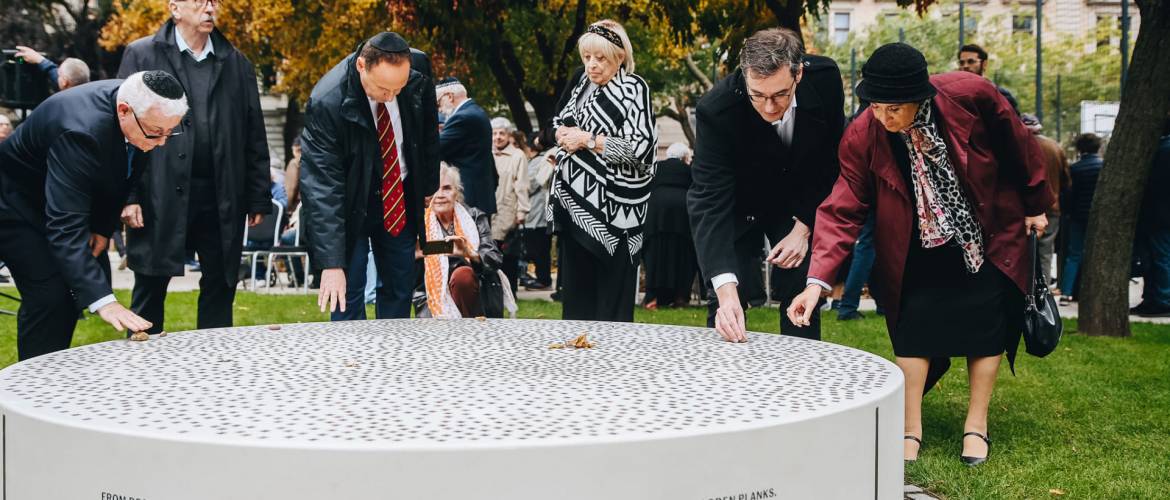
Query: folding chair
x=7 y=296
x=262 y=232
x=289 y=252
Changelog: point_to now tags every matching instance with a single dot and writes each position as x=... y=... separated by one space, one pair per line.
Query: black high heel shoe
x=973 y=461
x=916 y=440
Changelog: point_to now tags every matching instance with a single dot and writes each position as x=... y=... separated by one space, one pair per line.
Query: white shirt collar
x=208 y=48
x=460 y=105
x=788 y=113
x=786 y=125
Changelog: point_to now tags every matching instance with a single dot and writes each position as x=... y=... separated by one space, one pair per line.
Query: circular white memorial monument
x=432 y=409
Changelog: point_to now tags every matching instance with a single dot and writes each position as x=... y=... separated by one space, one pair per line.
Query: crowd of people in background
x=405 y=193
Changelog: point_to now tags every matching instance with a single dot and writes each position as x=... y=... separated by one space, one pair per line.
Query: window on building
x=1022 y=24
x=1106 y=24
x=840 y=27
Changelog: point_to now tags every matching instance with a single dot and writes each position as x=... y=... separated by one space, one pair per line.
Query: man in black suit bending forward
x=64 y=176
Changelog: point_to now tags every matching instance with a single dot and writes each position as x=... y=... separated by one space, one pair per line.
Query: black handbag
x=491 y=293
x=1042 y=325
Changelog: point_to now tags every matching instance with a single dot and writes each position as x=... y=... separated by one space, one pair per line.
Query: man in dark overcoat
x=64 y=176
x=370 y=158
x=201 y=189
x=766 y=156
x=466 y=144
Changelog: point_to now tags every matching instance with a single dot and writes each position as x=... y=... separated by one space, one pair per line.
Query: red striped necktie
x=393 y=196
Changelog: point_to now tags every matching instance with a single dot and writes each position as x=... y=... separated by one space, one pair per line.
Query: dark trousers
x=859 y=269
x=1156 y=275
x=786 y=284
x=1072 y=260
x=511 y=264
x=394 y=261
x=216 y=293
x=538 y=249
x=48 y=313
x=595 y=288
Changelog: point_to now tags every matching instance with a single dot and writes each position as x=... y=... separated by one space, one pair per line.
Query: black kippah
x=163 y=84
x=388 y=41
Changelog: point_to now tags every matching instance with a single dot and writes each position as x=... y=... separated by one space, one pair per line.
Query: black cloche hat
x=895 y=73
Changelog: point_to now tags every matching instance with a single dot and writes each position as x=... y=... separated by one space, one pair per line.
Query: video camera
x=22 y=85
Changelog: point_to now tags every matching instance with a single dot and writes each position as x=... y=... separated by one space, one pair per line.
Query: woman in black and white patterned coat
x=605 y=163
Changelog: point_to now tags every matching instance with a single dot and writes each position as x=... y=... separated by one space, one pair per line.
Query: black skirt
x=947 y=311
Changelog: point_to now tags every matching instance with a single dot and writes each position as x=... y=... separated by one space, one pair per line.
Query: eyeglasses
x=969 y=61
x=777 y=98
x=172 y=133
x=202 y=3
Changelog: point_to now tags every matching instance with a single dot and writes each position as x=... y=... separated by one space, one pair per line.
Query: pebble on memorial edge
x=273 y=327
x=139 y=337
x=161 y=335
x=481 y=318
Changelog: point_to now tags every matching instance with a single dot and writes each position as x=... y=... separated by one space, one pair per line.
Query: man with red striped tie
x=370 y=156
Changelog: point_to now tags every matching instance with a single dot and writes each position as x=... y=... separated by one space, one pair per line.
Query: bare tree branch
x=698 y=73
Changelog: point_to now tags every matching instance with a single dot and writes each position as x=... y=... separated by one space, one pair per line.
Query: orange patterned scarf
x=437 y=267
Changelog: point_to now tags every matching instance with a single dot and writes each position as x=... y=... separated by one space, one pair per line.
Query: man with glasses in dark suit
x=64 y=176
x=766 y=158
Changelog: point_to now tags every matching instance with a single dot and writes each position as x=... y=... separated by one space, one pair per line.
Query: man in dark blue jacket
x=64 y=175
x=466 y=144
x=1154 y=233
x=1077 y=204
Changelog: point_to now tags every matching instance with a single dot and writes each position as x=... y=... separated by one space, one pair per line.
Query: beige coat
x=511 y=192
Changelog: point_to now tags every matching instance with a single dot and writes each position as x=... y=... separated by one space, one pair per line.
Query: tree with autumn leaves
x=516 y=53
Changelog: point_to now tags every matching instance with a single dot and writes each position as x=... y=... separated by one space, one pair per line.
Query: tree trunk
x=293 y=121
x=1104 y=302
x=676 y=109
x=787 y=12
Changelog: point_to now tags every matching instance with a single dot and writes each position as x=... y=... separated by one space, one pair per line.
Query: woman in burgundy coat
x=955 y=181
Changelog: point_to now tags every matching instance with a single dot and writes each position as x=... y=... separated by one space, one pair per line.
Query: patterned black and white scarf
x=944 y=213
x=604 y=195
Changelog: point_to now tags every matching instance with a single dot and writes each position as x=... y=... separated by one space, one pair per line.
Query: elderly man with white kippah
x=466 y=143
x=64 y=174
x=512 y=203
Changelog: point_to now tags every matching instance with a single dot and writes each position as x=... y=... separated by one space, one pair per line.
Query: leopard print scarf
x=944 y=213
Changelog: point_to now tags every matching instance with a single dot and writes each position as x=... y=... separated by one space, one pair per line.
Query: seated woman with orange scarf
x=450 y=285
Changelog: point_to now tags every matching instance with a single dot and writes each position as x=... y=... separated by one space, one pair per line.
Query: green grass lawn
x=1091 y=421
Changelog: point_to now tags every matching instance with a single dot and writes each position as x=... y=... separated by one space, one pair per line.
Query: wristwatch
x=592 y=143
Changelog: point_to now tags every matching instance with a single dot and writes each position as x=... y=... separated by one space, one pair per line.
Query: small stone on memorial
x=139 y=337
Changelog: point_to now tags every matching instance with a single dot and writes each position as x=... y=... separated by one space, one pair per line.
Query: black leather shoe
x=1155 y=311
x=916 y=440
x=973 y=461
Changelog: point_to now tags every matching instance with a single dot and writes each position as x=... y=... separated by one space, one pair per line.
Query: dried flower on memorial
x=582 y=342
x=139 y=337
